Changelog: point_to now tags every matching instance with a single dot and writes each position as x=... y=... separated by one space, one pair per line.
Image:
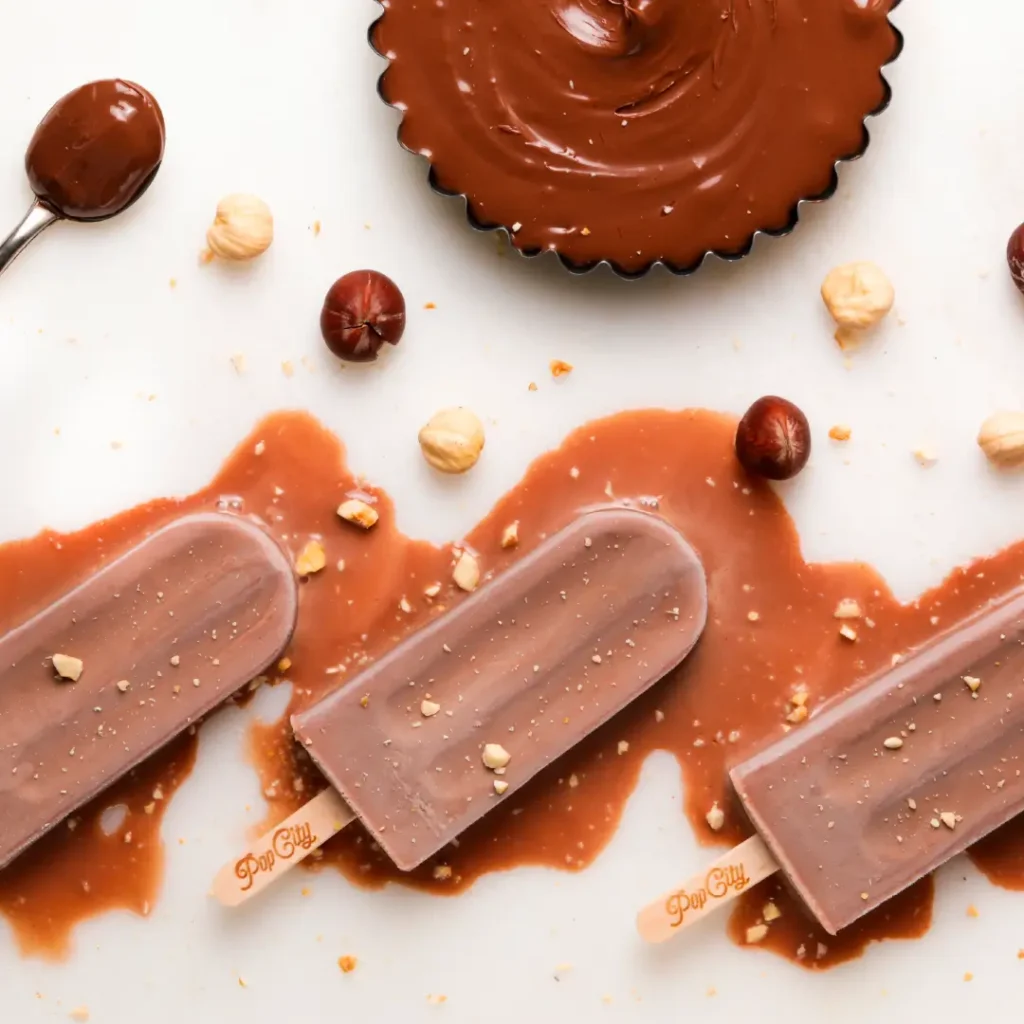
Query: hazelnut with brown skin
x=773 y=440
x=1015 y=257
x=363 y=311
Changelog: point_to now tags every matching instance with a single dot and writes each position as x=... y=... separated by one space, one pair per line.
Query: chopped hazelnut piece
x=973 y=683
x=925 y=456
x=347 y=964
x=715 y=817
x=312 y=558
x=432 y=591
x=466 y=573
x=500 y=787
x=559 y=368
x=848 y=633
x=510 y=536
x=442 y=872
x=948 y=818
x=892 y=743
x=238 y=359
x=798 y=714
x=848 y=608
x=911 y=803
x=67 y=667
x=771 y=912
x=623 y=747
x=358 y=512
x=175 y=660
x=756 y=933
x=753 y=616
x=429 y=708
x=495 y=756
x=123 y=685
x=840 y=432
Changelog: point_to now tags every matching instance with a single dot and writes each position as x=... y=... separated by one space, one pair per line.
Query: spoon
x=93 y=155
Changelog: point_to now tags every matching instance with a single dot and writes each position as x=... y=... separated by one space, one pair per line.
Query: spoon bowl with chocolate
x=92 y=156
x=636 y=132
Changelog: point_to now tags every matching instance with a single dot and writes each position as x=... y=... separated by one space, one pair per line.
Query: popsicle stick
x=281 y=848
x=717 y=885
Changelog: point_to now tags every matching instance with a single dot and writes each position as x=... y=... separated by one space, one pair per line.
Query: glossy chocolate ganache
x=635 y=131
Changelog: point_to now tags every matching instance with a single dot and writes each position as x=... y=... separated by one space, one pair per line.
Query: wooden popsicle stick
x=720 y=883
x=282 y=847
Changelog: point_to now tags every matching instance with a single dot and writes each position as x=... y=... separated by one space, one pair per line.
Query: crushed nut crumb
x=560 y=368
x=466 y=573
x=715 y=817
x=495 y=756
x=510 y=535
x=756 y=933
x=347 y=964
x=840 y=432
x=429 y=708
x=500 y=787
x=312 y=558
x=67 y=667
x=358 y=512
x=848 y=608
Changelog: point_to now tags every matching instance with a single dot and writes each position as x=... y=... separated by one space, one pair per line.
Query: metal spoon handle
x=38 y=217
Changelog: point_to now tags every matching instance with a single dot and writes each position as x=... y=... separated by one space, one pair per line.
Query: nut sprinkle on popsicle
x=512 y=665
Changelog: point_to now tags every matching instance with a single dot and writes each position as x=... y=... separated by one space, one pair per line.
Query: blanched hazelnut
x=1001 y=438
x=452 y=440
x=242 y=229
x=857 y=295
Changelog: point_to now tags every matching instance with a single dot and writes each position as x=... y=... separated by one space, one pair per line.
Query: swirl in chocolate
x=96 y=150
x=635 y=130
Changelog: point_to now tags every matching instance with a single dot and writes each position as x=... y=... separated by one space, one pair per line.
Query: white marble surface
x=279 y=98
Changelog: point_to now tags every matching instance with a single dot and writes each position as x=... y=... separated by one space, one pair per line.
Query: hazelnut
x=715 y=818
x=510 y=535
x=1002 y=439
x=500 y=787
x=773 y=439
x=771 y=912
x=452 y=440
x=848 y=608
x=67 y=667
x=358 y=512
x=242 y=229
x=756 y=933
x=466 y=573
x=362 y=311
x=429 y=708
x=495 y=756
x=857 y=295
x=312 y=558
x=1015 y=257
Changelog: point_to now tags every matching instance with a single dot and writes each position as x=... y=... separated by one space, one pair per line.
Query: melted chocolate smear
x=730 y=694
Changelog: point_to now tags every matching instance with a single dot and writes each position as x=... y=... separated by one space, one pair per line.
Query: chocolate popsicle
x=881 y=787
x=99 y=680
x=470 y=708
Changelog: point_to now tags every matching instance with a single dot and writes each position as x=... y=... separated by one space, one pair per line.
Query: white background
x=278 y=98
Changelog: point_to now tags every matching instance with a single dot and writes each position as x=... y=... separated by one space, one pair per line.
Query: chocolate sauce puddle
x=727 y=697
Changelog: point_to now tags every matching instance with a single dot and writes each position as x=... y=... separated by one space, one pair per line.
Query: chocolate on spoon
x=93 y=155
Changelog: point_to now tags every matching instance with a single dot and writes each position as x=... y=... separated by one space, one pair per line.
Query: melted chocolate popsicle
x=882 y=787
x=98 y=681
x=474 y=705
